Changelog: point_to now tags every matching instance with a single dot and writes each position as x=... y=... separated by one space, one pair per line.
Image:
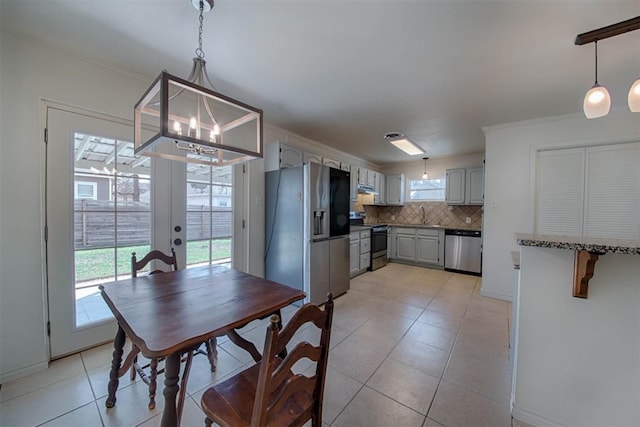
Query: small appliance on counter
x=379 y=236
x=463 y=251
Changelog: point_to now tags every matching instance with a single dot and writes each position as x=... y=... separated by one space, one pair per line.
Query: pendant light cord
x=596 y=45
x=199 y=51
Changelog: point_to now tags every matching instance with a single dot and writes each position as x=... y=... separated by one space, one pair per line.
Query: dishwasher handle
x=469 y=233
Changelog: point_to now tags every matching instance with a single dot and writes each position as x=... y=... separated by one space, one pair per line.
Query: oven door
x=378 y=243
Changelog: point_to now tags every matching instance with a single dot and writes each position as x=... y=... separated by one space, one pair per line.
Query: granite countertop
x=598 y=245
x=444 y=227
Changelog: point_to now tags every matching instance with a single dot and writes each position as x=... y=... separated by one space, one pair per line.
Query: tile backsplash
x=436 y=213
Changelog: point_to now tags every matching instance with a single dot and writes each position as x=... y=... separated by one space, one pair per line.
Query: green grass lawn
x=100 y=263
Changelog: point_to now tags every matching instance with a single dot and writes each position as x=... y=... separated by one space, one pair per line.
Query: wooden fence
x=95 y=223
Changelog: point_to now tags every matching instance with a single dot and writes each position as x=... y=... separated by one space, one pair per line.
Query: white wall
x=578 y=359
x=508 y=207
x=31 y=71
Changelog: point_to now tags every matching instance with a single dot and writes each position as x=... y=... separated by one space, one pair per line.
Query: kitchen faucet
x=424 y=217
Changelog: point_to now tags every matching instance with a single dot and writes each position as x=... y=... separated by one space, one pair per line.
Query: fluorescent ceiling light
x=403 y=143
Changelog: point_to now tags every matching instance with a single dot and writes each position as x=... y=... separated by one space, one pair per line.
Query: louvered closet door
x=560 y=192
x=612 y=202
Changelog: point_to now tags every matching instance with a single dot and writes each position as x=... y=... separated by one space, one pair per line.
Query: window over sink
x=428 y=189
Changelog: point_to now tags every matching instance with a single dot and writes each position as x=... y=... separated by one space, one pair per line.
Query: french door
x=103 y=203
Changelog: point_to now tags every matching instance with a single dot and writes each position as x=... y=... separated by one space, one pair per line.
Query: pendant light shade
x=597 y=101
x=634 y=97
x=425 y=175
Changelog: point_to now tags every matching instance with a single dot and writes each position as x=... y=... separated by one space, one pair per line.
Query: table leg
x=118 y=346
x=171 y=374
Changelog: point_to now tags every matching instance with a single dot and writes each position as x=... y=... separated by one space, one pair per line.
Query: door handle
x=177 y=242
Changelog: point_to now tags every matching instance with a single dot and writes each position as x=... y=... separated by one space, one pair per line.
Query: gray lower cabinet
x=354 y=256
x=427 y=245
x=359 y=252
x=406 y=244
x=418 y=245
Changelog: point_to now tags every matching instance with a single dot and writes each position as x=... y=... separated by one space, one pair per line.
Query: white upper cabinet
x=455 y=186
x=395 y=189
x=345 y=167
x=280 y=155
x=560 y=192
x=612 y=192
x=353 y=190
x=312 y=158
x=380 y=191
x=474 y=188
x=465 y=186
x=589 y=192
x=331 y=163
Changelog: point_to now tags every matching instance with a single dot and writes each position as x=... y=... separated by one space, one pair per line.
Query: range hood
x=366 y=189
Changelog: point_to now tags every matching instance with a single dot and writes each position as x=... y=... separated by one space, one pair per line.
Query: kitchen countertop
x=444 y=227
x=597 y=245
x=359 y=227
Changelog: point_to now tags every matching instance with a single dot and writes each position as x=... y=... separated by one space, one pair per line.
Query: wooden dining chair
x=269 y=393
x=150 y=379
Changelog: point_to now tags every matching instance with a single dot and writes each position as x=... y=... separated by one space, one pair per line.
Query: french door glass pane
x=112 y=218
x=209 y=215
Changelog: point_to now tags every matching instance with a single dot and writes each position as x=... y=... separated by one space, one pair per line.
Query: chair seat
x=230 y=403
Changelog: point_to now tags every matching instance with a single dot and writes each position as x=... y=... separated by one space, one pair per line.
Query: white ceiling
x=344 y=72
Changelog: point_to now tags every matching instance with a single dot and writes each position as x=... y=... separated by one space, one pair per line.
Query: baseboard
x=532 y=418
x=495 y=295
x=23 y=372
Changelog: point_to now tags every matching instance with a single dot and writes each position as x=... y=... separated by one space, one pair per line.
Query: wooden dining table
x=166 y=315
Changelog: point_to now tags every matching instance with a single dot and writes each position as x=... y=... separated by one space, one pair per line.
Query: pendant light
x=597 y=101
x=189 y=121
x=634 y=97
x=425 y=175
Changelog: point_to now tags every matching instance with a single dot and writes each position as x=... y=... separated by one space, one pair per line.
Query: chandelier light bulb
x=634 y=97
x=177 y=128
x=597 y=102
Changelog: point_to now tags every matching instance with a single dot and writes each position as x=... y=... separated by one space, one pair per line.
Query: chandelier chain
x=199 y=51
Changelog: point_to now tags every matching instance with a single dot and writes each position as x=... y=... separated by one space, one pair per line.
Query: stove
x=379 y=236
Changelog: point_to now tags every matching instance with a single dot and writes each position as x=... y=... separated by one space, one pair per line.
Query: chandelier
x=189 y=121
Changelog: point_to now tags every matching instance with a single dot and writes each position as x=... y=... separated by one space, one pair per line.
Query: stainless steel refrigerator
x=307 y=229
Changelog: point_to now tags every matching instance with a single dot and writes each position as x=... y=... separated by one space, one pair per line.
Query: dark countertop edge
x=597 y=245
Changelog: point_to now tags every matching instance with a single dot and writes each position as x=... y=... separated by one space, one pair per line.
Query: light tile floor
x=409 y=347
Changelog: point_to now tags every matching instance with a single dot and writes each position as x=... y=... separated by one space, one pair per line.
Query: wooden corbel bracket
x=584 y=265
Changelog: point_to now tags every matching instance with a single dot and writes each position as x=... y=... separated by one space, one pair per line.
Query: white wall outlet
x=468 y=220
x=393 y=217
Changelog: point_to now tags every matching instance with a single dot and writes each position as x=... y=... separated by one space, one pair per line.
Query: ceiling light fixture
x=425 y=175
x=192 y=122
x=597 y=101
x=404 y=143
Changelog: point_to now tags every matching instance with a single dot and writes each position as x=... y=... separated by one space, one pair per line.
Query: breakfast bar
x=584 y=353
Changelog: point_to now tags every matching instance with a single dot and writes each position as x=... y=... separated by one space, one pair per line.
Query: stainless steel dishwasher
x=463 y=251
